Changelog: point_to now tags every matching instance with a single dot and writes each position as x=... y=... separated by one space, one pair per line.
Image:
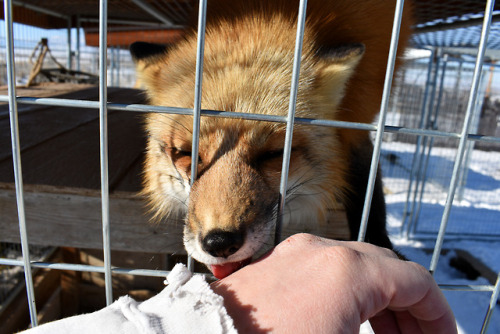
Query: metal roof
x=443 y=23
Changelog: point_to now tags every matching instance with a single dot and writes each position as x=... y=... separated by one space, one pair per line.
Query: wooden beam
x=15 y=315
x=125 y=38
x=71 y=217
x=60 y=145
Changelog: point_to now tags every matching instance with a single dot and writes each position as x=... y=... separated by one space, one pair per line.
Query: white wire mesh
x=104 y=106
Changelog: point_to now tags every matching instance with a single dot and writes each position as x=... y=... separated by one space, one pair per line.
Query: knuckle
x=343 y=254
x=419 y=269
x=302 y=238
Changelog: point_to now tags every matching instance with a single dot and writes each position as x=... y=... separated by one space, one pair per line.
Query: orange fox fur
x=249 y=49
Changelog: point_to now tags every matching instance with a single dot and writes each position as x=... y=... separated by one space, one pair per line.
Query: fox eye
x=271 y=155
x=179 y=153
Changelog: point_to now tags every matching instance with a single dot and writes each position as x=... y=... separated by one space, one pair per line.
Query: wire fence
x=415 y=117
x=432 y=93
x=120 y=67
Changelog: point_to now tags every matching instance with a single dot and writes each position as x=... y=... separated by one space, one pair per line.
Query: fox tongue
x=222 y=270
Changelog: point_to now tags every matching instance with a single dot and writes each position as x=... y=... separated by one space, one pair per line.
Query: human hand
x=308 y=284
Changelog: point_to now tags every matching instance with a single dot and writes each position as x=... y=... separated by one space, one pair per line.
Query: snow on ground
x=474 y=224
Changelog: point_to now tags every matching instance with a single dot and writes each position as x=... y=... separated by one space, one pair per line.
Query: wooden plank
x=37 y=123
x=70 y=281
x=123 y=259
x=16 y=315
x=478 y=265
x=51 y=310
x=132 y=180
x=43 y=123
x=124 y=38
x=48 y=89
x=72 y=159
x=72 y=217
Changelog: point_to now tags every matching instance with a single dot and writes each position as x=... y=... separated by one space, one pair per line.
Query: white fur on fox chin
x=254 y=241
x=303 y=210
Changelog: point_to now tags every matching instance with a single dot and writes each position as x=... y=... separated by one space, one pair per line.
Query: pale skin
x=308 y=284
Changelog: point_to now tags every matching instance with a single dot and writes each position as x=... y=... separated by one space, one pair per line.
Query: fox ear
x=337 y=65
x=145 y=56
x=146 y=52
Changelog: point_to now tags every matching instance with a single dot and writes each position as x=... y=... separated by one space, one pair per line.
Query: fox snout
x=230 y=212
x=223 y=244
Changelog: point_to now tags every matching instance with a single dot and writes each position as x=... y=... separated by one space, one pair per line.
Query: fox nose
x=222 y=243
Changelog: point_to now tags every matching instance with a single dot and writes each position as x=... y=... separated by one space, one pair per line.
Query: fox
x=230 y=209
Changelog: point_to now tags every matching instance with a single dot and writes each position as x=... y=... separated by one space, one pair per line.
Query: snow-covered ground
x=474 y=223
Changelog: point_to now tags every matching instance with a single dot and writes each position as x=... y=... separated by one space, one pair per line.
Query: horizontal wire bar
x=455 y=235
x=90 y=268
x=246 y=116
x=466 y=287
x=164 y=273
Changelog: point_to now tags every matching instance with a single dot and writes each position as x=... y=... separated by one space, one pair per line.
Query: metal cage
x=380 y=129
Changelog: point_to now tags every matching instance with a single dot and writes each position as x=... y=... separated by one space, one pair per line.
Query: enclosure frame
x=104 y=106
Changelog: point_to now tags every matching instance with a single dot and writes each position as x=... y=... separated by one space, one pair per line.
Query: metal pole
x=476 y=118
x=103 y=132
x=434 y=126
x=465 y=130
x=68 y=46
x=118 y=67
x=16 y=159
x=112 y=67
x=200 y=49
x=417 y=156
x=491 y=306
x=78 y=27
x=391 y=61
x=153 y=12
x=39 y=9
x=59 y=102
x=299 y=40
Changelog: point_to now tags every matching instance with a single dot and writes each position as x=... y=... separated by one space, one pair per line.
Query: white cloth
x=186 y=305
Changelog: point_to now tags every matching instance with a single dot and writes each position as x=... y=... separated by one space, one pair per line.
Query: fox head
x=230 y=209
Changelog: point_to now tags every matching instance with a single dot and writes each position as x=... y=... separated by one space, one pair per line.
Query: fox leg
x=359 y=169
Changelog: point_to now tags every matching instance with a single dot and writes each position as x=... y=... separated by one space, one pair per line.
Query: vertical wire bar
x=416 y=156
x=465 y=130
x=78 y=55
x=426 y=155
x=391 y=61
x=463 y=174
x=103 y=132
x=16 y=159
x=299 y=40
x=491 y=306
x=112 y=66
x=68 y=42
x=200 y=49
x=419 y=155
x=118 y=67
x=433 y=123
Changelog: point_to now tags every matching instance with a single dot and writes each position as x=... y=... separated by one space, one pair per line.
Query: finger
x=385 y=322
x=414 y=290
x=407 y=322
